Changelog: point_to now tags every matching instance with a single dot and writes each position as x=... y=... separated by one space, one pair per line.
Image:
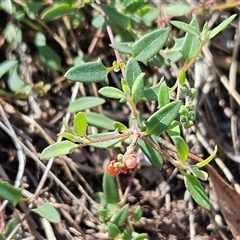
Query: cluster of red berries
x=121 y=164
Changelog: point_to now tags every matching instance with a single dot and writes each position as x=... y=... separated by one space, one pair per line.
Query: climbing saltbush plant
x=175 y=108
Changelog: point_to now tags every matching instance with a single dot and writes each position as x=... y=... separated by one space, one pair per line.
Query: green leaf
x=10 y=226
x=118 y=18
x=208 y=160
x=55 y=12
x=6 y=66
x=221 y=26
x=196 y=190
x=141 y=236
x=138 y=88
x=10 y=193
x=202 y=175
x=161 y=119
x=149 y=45
x=80 y=124
x=40 y=39
x=137 y=214
x=190 y=44
x=67 y=128
x=163 y=95
x=84 y=103
x=110 y=189
x=103 y=212
x=120 y=127
x=178 y=9
x=48 y=211
x=88 y=72
x=49 y=57
x=100 y=121
x=15 y=83
x=58 y=149
x=151 y=94
x=120 y=216
x=182 y=148
x=113 y=230
x=182 y=77
x=123 y=47
x=148 y=14
x=186 y=28
x=69 y=136
x=115 y=143
x=101 y=198
x=13 y=35
x=112 y=92
x=132 y=71
x=152 y=155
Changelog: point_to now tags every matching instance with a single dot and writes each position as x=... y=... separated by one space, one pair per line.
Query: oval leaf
x=113 y=230
x=118 y=18
x=49 y=57
x=152 y=155
x=178 y=9
x=88 y=72
x=186 y=28
x=112 y=92
x=84 y=103
x=100 y=121
x=80 y=124
x=69 y=136
x=10 y=193
x=161 y=119
x=137 y=214
x=196 y=190
x=58 y=149
x=6 y=66
x=58 y=11
x=120 y=217
x=123 y=47
x=132 y=71
x=191 y=43
x=138 y=88
x=163 y=95
x=47 y=211
x=149 y=45
x=110 y=188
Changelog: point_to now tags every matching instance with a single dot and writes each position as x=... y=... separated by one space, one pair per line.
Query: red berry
x=111 y=169
x=129 y=161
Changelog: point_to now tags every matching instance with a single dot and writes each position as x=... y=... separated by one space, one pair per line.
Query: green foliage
x=88 y=72
x=47 y=211
x=162 y=118
x=135 y=45
x=84 y=103
x=58 y=149
x=110 y=189
x=149 y=45
x=197 y=191
x=58 y=11
x=6 y=66
x=10 y=193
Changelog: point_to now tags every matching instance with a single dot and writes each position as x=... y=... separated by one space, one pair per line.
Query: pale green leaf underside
x=58 y=149
x=84 y=103
x=48 y=211
x=196 y=190
x=88 y=72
